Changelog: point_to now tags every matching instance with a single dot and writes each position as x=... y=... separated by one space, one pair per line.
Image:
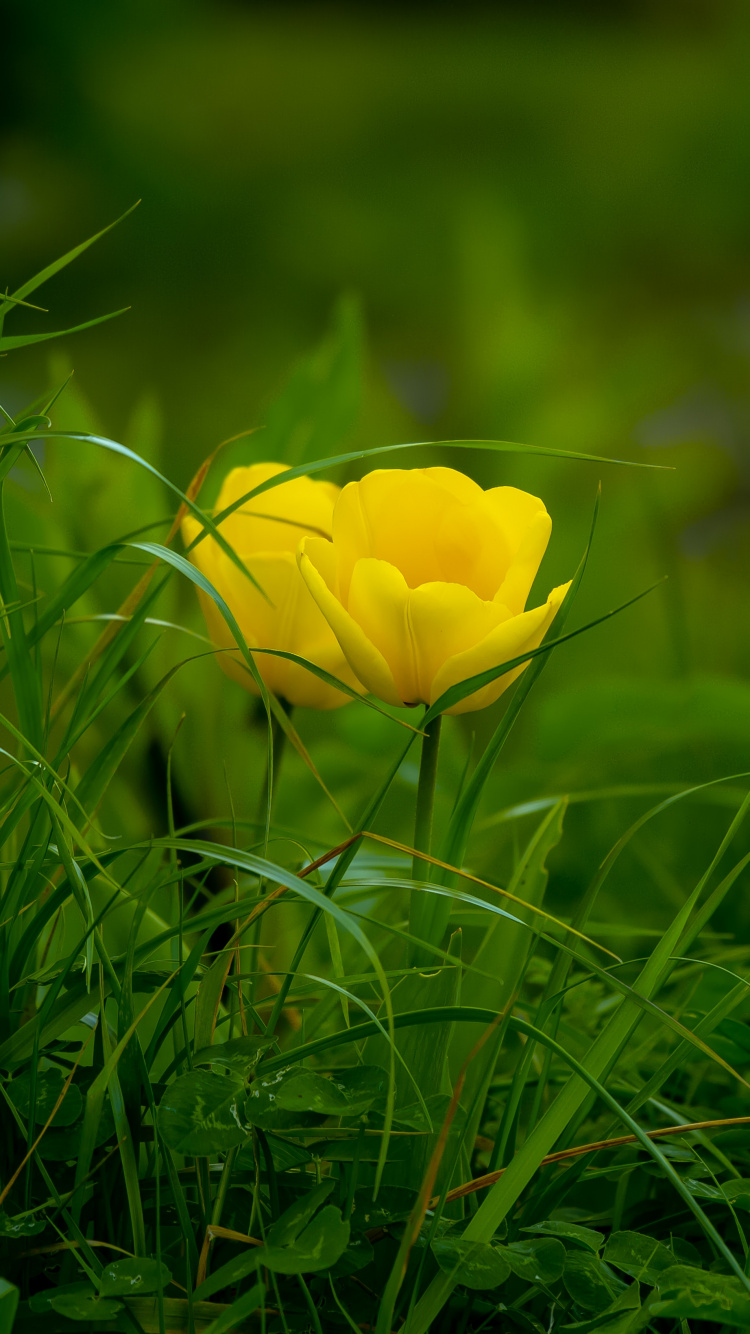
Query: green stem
x=224 y=1181
x=426 y=794
x=263 y=818
x=278 y=738
x=421 y=905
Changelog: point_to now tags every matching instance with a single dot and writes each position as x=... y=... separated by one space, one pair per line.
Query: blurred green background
x=525 y=222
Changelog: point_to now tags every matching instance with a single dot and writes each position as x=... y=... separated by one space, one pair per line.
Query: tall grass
x=445 y=1108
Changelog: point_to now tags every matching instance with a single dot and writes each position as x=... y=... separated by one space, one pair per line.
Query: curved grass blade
x=290 y=732
x=69 y=592
x=23 y=670
x=9 y=343
x=45 y=274
x=23 y=439
x=353 y=456
x=462 y=689
x=339 y=685
x=101 y=771
x=485 y=884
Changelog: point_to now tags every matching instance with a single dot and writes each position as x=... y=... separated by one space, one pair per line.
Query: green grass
x=230 y=1098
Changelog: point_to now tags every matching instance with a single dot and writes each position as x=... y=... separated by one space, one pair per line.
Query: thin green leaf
x=45 y=274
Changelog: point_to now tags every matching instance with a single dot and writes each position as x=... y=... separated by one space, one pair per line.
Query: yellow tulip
x=425 y=581
x=265 y=533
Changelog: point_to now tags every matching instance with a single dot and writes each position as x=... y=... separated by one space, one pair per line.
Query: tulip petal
x=435 y=525
x=514 y=511
x=524 y=565
x=409 y=517
x=316 y=562
x=513 y=637
x=379 y=603
x=458 y=485
x=291 y=621
x=351 y=536
x=446 y=620
x=275 y=520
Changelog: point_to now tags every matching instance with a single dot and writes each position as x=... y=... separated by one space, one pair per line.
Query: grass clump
x=295 y=1067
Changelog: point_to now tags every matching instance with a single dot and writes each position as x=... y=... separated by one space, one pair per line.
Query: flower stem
x=420 y=911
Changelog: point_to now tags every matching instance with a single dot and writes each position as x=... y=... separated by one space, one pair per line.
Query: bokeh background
x=362 y=225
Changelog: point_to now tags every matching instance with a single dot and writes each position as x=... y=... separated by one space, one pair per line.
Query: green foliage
x=8 y=1305
x=218 y=1061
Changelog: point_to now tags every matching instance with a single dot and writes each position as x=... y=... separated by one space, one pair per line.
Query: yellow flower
x=265 y=533
x=426 y=579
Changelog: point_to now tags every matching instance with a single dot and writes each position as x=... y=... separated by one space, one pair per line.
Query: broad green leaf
x=62 y=1146
x=346 y=1093
x=693 y=1294
x=519 y=1320
x=201 y=1113
x=286 y=1229
x=361 y=1085
x=590 y=1282
x=358 y=1255
x=85 y=1305
x=617 y=1318
x=640 y=1256
x=554 y=1227
x=306 y=1091
x=738 y=1191
x=261 y=1105
x=49 y=1086
x=391 y=1206
x=25 y=1225
x=704 y=1190
x=132 y=1278
x=241 y=1054
x=541 y=1260
x=474 y=1264
x=685 y=1252
x=429 y=1117
x=285 y=1154
x=39 y=1302
x=738 y=1032
x=318 y=1247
